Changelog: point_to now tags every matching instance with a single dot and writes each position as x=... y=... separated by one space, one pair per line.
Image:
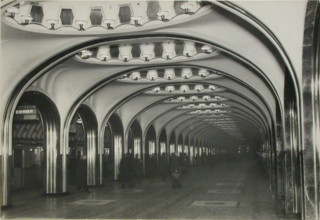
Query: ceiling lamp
x=135 y=75
x=202 y=105
x=169 y=74
x=79 y=121
x=170 y=89
x=85 y=54
x=156 y=89
x=189 y=49
x=147 y=51
x=213 y=105
x=81 y=24
x=194 y=98
x=125 y=52
x=190 y=7
x=212 y=87
x=218 y=97
x=206 y=97
x=52 y=23
x=181 y=98
x=152 y=75
x=110 y=23
x=192 y=105
x=203 y=73
x=198 y=87
x=136 y=20
x=207 y=49
x=26 y=19
x=169 y=51
x=104 y=53
x=163 y=15
x=184 y=88
x=12 y=11
x=186 y=73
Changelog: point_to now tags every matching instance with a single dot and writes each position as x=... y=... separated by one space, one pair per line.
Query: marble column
x=280 y=163
x=311 y=109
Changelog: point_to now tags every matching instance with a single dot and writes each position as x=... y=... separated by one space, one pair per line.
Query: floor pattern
x=244 y=194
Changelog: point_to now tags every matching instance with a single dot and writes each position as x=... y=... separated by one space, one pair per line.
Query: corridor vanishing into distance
x=164 y=109
x=225 y=190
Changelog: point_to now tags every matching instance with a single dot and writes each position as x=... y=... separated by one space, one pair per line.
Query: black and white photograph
x=160 y=109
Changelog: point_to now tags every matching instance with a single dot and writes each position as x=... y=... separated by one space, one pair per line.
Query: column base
x=55 y=194
x=293 y=215
x=6 y=207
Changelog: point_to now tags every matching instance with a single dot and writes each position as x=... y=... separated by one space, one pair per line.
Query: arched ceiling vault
x=244 y=67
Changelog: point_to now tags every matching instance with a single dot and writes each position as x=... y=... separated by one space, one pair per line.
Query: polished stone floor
x=229 y=191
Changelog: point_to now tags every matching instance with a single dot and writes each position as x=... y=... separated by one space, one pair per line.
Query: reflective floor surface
x=228 y=191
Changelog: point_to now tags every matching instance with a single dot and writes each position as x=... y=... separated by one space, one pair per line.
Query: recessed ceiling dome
x=99 y=17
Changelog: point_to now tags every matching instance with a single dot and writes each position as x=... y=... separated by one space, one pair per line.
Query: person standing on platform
x=82 y=173
x=126 y=171
x=163 y=167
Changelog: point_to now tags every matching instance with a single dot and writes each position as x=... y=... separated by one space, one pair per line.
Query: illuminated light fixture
x=206 y=97
x=194 y=98
x=181 y=98
x=189 y=49
x=213 y=105
x=79 y=121
x=202 y=105
x=12 y=11
x=104 y=53
x=136 y=20
x=81 y=24
x=26 y=19
x=125 y=52
x=184 y=88
x=147 y=52
x=169 y=74
x=152 y=75
x=212 y=87
x=110 y=23
x=186 y=73
x=190 y=7
x=203 y=73
x=218 y=97
x=85 y=54
x=198 y=87
x=52 y=23
x=156 y=90
x=163 y=15
x=207 y=49
x=135 y=75
x=170 y=89
x=169 y=51
x=192 y=105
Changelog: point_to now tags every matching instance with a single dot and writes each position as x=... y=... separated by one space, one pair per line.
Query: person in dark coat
x=82 y=173
x=163 y=167
x=175 y=172
x=126 y=171
x=137 y=169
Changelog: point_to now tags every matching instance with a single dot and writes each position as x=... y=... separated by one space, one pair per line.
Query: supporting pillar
x=311 y=112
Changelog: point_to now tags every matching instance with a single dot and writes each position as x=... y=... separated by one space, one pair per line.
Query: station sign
x=26 y=113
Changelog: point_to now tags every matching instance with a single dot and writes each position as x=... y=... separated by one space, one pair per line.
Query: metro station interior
x=160 y=109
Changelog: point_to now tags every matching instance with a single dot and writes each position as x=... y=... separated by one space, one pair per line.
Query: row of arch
x=274 y=135
x=83 y=137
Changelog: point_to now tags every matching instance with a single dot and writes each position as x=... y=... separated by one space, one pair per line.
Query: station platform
x=227 y=191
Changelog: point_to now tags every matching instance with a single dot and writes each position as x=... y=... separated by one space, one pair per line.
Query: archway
x=163 y=143
x=83 y=141
x=180 y=145
x=135 y=140
x=150 y=152
x=36 y=157
x=115 y=141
